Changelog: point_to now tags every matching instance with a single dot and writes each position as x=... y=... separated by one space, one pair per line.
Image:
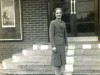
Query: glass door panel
x=85 y=17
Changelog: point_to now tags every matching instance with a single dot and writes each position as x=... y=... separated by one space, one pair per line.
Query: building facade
x=81 y=17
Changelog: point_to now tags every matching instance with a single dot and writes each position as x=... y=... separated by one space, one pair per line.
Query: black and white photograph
x=49 y=37
x=8 y=13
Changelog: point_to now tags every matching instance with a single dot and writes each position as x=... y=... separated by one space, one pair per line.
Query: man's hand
x=54 y=49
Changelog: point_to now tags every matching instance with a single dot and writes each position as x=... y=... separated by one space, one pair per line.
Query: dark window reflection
x=84 y=0
x=86 y=17
x=85 y=27
x=66 y=17
x=68 y=28
x=61 y=0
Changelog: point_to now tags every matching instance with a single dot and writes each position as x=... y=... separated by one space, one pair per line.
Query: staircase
x=83 y=58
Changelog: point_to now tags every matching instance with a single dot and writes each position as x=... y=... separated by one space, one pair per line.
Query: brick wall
x=35 y=28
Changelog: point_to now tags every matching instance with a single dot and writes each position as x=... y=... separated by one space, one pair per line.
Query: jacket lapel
x=58 y=25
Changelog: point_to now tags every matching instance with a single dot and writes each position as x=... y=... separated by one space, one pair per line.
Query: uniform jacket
x=57 y=33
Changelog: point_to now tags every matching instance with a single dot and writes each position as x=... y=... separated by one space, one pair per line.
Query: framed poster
x=10 y=23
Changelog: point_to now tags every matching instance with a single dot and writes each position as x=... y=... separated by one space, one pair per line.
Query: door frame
x=99 y=20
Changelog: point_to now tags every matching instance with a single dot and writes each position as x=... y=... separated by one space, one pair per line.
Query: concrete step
x=84 y=45
x=87 y=52
x=81 y=39
x=21 y=58
x=86 y=67
x=8 y=63
x=31 y=52
x=84 y=74
x=77 y=52
x=25 y=72
x=82 y=59
x=86 y=58
x=35 y=59
x=29 y=72
x=30 y=67
x=87 y=63
x=87 y=45
x=88 y=72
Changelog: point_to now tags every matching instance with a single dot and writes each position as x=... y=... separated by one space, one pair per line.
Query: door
x=80 y=16
x=86 y=17
x=99 y=22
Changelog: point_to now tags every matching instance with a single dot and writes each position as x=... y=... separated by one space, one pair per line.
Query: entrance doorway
x=80 y=16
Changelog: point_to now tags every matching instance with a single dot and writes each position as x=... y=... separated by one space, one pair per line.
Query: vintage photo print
x=7 y=13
